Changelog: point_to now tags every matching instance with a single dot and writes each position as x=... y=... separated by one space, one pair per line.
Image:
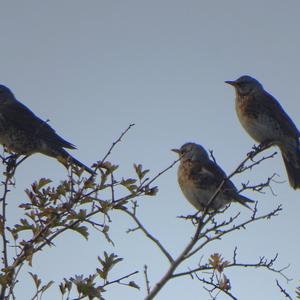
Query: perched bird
x=266 y=122
x=199 y=178
x=22 y=132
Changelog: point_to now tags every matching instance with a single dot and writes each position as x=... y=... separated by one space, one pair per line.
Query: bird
x=199 y=178
x=267 y=123
x=23 y=133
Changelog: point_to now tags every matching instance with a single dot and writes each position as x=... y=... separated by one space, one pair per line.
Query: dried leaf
x=217 y=262
x=139 y=171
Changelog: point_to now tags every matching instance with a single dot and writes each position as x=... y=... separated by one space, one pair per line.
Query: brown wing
x=210 y=174
x=273 y=108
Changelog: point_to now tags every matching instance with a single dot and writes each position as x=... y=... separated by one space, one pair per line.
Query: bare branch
x=167 y=276
x=11 y=164
x=118 y=140
x=283 y=291
x=146 y=279
x=164 y=171
x=149 y=235
x=262 y=263
x=120 y=279
x=215 y=287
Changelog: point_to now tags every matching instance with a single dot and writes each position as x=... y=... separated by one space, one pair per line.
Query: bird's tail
x=291 y=158
x=66 y=159
x=244 y=200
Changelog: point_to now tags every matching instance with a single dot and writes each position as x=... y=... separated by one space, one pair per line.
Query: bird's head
x=246 y=85
x=192 y=151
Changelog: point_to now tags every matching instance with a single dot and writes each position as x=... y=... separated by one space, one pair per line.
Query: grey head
x=6 y=94
x=193 y=152
x=246 y=85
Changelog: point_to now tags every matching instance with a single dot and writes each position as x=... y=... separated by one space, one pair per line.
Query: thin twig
x=147 y=279
x=164 y=171
x=115 y=143
x=175 y=264
x=215 y=286
x=234 y=228
x=283 y=291
x=8 y=176
x=120 y=279
x=262 y=263
x=149 y=235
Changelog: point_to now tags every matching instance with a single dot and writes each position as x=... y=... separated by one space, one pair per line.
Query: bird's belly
x=261 y=128
x=18 y=142
x=200 y=198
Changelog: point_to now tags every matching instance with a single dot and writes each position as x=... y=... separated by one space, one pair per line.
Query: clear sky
x=94 y=67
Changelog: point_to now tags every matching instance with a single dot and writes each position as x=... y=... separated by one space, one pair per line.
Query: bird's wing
x=212 y=175
x=207 y=175
x=275 y=110
x=21 y=117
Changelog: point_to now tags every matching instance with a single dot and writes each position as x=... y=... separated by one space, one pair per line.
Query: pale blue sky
x=161 y=65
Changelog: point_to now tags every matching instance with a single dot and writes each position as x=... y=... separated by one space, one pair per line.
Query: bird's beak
x=233 y=83
x=176 y=151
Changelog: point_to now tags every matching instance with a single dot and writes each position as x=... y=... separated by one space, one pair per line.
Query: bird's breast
x=195 y=192
x=258 y=123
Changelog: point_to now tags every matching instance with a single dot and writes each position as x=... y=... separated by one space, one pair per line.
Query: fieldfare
x=266 y=122
x=199 y=178
x=22 y=132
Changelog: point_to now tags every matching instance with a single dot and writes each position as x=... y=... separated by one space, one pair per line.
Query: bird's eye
x=183 y=152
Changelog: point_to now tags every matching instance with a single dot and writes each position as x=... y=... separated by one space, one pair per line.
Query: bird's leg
x=259 y=148
x=11 y=162
x=194 y=217
x=21 y=160
x=265 y=144
x=9 y=158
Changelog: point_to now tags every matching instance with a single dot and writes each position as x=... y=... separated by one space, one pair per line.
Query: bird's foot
x=264 y=145
x=194 y=217
x=259 y=148
x=12 y=162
